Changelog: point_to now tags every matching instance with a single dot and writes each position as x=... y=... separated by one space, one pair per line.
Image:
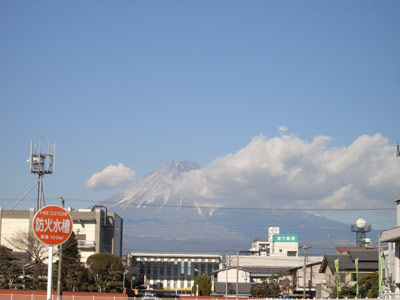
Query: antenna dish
x=361 y=223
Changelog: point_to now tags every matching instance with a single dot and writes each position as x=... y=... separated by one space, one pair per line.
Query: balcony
x=86 y=245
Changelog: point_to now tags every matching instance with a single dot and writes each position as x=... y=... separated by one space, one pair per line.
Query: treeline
x=103 y=271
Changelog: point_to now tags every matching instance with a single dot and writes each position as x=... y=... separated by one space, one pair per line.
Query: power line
x=141 y=205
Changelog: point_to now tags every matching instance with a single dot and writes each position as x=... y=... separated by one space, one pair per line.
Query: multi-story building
x=391 y=259
x=171 y=271
x=266 y=259
x=96 y=229
x=276 y=244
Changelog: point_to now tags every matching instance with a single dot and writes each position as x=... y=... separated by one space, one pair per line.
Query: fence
x=41 y=296
x=54 y=297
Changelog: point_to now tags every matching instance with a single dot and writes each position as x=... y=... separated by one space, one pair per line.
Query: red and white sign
x=52 y=225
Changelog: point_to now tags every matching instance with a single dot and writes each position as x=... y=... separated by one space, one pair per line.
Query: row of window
x=159 y=270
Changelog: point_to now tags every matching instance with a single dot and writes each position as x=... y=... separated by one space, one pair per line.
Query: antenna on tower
x=361 y=228
x=42 y=163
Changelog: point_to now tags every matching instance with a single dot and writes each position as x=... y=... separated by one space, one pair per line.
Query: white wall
x=244 y=277
x=9 y=227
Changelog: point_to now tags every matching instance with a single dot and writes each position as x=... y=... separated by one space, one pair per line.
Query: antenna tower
x=41 y=163
x=361 y=228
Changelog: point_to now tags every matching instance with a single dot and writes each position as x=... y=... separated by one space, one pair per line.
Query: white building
x=391 y=262
x=171 y=270
x=266 y=259
x=96 y=229
x=276 y=244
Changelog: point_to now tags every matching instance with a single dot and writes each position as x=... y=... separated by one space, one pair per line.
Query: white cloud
x=282 y=129
x=289 y=172
x=111 y=176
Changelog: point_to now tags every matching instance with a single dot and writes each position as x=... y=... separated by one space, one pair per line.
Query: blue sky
x=144 y=82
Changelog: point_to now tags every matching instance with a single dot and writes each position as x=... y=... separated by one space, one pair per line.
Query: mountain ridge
x=160 y=218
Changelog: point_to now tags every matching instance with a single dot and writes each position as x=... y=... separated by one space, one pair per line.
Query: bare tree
x=26 y=241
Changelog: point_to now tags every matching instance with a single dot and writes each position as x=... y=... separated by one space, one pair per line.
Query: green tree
x=266 y=289
x=106 y=270
x=73 y=274
x=204 y=283
x=36 y=277
x=26 y=242
x=369 y=286
x=9 y=272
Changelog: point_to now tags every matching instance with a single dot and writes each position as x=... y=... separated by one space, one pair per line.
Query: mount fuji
x=157 y=217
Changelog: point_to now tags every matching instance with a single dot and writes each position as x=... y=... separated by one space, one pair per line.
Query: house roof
x=391 y=235
x=367 y=261
x=346 y=249
x=259 y=271
x=364 y=255
x=265 y=271
x=308 y=265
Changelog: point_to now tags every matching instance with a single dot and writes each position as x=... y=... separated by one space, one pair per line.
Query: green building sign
x=286 y=238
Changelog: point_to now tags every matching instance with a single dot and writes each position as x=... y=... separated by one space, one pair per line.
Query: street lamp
x=123 y=279
x=197 y=285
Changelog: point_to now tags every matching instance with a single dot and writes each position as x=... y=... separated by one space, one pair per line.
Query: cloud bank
x=289 y=172
x=111 y=176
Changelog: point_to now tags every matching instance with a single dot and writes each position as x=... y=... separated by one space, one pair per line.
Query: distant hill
x=156 y=217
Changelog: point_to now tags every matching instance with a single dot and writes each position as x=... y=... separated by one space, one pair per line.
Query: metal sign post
x=52 y=225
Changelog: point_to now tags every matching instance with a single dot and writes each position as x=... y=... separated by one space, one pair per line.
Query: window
x=342 y=278
x=175 y=269
x=291 y=253
x=182 y=268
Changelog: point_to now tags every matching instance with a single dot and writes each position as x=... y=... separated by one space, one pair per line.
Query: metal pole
x=59 y=262
x=305 y=271
x=40 y=182
x=379 y=267
x=59 y=272
x=49 y=272
x=226 y=281
x=237 y=274
x=123 y=281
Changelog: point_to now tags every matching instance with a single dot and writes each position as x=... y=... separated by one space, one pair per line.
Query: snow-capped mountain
x=157 y=217
x=154 y=196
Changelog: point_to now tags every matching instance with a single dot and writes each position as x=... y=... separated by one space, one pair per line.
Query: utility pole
x=59 y=262
x=379 y=267
x=226 y=273
x=305 y=270
x=237 y=275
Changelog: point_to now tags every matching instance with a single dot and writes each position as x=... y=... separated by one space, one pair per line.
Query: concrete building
x=171 y=271
x=224 y=281
x=276 y=244
x=96 y=229
x=391 y=262
x=267 y=258
x=292 y=281
x=367 y=264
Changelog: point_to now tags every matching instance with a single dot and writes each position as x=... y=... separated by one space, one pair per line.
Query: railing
x=84 y=244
